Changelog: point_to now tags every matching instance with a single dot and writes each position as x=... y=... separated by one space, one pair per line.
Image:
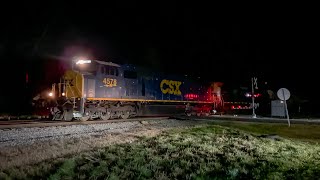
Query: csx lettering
x=170 y=86
x=108 y=82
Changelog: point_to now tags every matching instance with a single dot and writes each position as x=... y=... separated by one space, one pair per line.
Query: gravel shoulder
x=26 y=146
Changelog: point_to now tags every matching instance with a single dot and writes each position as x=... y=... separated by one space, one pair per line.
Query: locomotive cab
x=89 y=79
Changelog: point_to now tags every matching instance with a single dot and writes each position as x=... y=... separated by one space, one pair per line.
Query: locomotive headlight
x=50 y=94
x=63 y=94
x=83 y=61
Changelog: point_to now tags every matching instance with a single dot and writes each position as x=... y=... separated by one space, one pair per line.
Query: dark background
x=276 y=43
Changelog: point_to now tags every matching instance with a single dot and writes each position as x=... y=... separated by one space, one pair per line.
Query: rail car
x=94 y=89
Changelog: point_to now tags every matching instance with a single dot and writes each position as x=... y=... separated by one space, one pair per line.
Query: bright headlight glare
x=83 y=61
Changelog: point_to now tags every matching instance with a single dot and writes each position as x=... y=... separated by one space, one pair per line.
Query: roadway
x=249 y=118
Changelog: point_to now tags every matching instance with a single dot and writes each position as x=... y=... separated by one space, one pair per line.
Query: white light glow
x=83 y=62
x=50 y=94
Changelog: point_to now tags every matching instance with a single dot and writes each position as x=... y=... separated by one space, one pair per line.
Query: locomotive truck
x=94 y=89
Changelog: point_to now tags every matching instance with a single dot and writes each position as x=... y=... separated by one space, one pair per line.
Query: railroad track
x=47 y=123
x=70 y=131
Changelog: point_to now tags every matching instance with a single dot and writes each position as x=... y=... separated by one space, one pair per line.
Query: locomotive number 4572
x=109 y=82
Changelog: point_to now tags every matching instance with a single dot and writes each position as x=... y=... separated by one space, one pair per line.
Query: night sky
x=276 y=43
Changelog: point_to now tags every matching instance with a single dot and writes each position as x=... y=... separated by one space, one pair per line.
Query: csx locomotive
x=94 y=89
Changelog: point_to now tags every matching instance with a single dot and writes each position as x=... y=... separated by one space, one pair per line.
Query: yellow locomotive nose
x=73 y=82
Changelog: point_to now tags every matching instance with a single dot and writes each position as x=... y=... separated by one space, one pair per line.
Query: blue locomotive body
x=110 y=80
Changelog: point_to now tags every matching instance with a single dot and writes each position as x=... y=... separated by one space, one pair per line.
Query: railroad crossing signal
x=255 y=83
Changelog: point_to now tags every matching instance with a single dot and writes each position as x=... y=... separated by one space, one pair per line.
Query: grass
x=204 y=152
x=309 y=133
